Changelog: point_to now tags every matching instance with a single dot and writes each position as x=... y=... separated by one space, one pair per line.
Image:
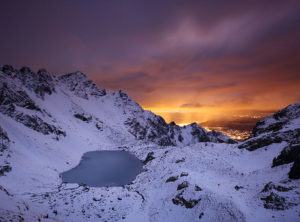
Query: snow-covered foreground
x=47 y=123
x=225 y=181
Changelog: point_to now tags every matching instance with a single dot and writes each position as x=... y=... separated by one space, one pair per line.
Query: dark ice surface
x=104 y=168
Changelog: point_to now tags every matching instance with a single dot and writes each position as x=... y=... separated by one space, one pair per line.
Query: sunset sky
x=189 y=61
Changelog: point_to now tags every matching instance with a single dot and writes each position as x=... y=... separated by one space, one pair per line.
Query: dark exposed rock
x=201 y=215
x=275 y=129
x=37 y=124
x=180 y=138
x=81 y=85
x=4 y=152
x=260 y=142
x=277 y=121
x=165 y=141
x=149 y=158
x=41 y=82
x=98 y=126
x=155 y=129
x=238 y=187
x=275 y=202
x=295 y=170
x=5 y=191
x=4 y=140
x=10 y=96
x=271 y=186
x=199 y=133
x=268 y=139
x=25 y=69
x=4 y=169
x=83 y=117
x=122 y=94
x=183 y=185
x=7 y=69
x=137 y=130
x=184 y=174
x=180 y=200
x=180 y=160
x=287 y=155
x=172 y=179
x=197 y=188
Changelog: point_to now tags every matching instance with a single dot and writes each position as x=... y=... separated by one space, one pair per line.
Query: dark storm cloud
x=172 y=49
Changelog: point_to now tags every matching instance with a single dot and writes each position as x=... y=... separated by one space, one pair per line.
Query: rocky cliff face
x=22 y=90
x=4 y=153
x=283 y=126
x=80 y=85
x=16 y=102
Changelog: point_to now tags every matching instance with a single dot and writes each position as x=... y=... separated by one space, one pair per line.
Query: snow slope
x=48 y=122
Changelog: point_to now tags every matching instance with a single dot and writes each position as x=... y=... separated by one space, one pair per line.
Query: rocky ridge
x=23 y=88
x=282 y=127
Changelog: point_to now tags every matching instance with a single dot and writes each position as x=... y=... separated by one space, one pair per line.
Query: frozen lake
x=104 y=168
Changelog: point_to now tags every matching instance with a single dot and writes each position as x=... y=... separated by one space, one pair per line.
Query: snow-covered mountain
x=27 y=96
x=283 y=126
x=47 y=122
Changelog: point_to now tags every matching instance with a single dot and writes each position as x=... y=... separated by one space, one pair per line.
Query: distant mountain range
x=47 y=122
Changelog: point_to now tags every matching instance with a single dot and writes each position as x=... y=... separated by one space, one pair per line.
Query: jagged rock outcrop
x=295 y=170
x=144 y=125
x=80 y=85
x=288 y=155
x=4 y=153
x=181 y=200
x=14 y=98
x=11 y=96
x=276 y=202
x=284 y=125
x=83 y=117
x=4 y=140
x=40 y=83
x=23 y=88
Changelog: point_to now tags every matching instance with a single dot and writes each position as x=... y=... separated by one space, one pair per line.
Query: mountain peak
x=40 y=83
x=81 y=85
x=77 y=75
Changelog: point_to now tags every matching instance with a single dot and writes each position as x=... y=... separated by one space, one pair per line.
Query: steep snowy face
x=80 y=85
x=285 y=119
x=21 y=92
x=143 y=125
x=282 y=126
x=40 y=83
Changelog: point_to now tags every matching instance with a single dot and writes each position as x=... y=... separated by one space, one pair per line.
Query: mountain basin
x=104 y=168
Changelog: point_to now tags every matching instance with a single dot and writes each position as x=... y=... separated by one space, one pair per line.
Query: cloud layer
x=168 y=55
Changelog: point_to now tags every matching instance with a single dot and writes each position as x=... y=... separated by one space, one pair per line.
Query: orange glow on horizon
x=185 y=116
